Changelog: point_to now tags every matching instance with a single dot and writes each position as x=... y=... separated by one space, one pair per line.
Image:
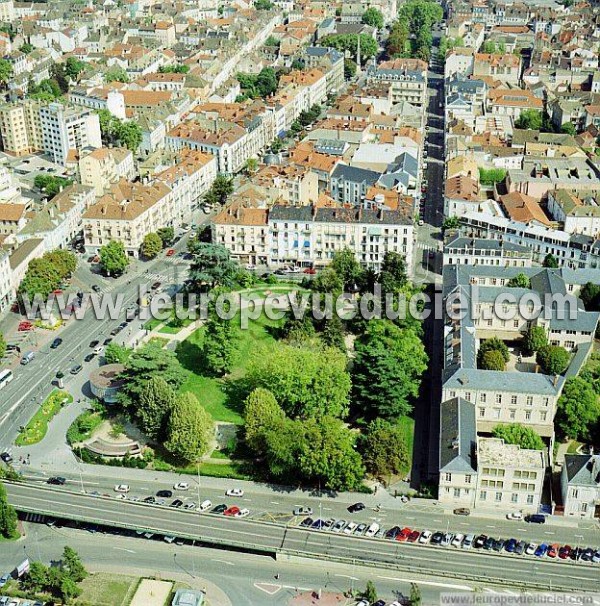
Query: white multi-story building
x=580 y=485
x=66 y=128
x=579 y=215
x=7 y=292
x=479 y=251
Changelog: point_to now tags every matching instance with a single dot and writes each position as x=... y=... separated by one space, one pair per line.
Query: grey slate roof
x=304 y=214
x=498 y=380
x=583 y=470
x=354 y=174
x=458 y=436
x=461 y=242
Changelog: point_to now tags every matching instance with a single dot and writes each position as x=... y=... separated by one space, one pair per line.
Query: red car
x=25 y=325
x=170 y=252
x=403 y=534
x=310 y=270
x=564 y=552
x=552 y=550
x=232 y=511
x=413 y=537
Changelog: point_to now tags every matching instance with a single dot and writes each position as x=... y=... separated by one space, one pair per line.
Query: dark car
x=479 y=541
x=94 y=343
x=520 y=548
x=6 y=457
x=413 y=537
x=55 y=343
x=155 y=286
x=356 y=507
x=96 y=288
x=392 y=532
x=462 y=511
x=150 y=499
x=536 y=518
x=164 y=493
x=219 y=508
x=576 y=553
x=89 y=357
x=587 y=554
x=76 y=369
x=489 y=543
x=511 y=545
x=499 y=545
x=318 y=524
x=115 y=331
x=306 y=523
x=176 y=503
x=56 y=481
x=436 y=538
x=107 y=341
x=379 y=603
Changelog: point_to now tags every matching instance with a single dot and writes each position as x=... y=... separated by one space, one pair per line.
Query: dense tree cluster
x=211 y=266
x=490 y=176
x=553 y=359
x=534 y=339
x=174 y=69
x=51 y=185
x=497 y=361
x=349 y=43
x=258 y=86
x=373 y=17
x=46 y=273
x=116 y=131
x=523 y=436
x=578 y=411
x=220 y=190
x=113 y=258
x=8 y=516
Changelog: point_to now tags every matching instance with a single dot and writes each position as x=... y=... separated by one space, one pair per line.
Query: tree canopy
x=578 y=410
x=190 y=429
x=154 y=405
x=349 y=42
x=373 y=17
x=519 y=281
x=262 y=413
x=553 y=359
x=50 y=184
x=151 y=245
x=534 y=339
x=493 y=344
x=211 y=264
x=387 y=369
x=261 y=85
x=523 y=436
x=8 y=516
x=492 y=360
x=529 y=119
x=384 y=449
x=113 y=258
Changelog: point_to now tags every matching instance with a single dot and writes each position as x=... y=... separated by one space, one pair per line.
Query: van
x=205 y=505
x=536 y=518
x=28 y=357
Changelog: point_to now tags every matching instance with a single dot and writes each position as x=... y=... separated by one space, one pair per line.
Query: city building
x=580 y=485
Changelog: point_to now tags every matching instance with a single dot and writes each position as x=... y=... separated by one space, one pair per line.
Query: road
x=32 y=383
x=287 y=540
x=247 y=579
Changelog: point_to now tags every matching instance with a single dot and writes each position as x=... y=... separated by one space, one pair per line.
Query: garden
x=37 y=427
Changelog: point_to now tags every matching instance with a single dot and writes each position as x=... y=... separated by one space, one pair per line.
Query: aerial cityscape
x=299 y=302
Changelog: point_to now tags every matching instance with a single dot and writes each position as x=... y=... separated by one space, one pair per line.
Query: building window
x=513 y=399
x=529 y=400
x=482 y=412
x=529 y=499
x=457 y=492
x=498 y=398
x=483 y=495
x=483 y=397
x=498 y=497
x=513 y=413
x=514 y=498
x=448 y=477
x=467 y=479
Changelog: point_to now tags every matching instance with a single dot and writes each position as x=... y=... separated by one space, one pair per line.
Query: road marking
x=275 y=503
x=490 y=527
x=346 y=576
x=123 y=549
x=224 y=562
x=549 y=532
x=268 y=588
x=432 y=583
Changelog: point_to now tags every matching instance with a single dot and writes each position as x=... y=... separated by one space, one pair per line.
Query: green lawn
x=37 y=427
x=218 y=395
x=103 y=589
x=152 y=323
x=573 y=446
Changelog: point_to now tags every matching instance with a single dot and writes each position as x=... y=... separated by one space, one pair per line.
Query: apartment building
x=481 y=251
x=7 y=292
x=126 y=213
x=580 y=485
x=21 y=128
x=349 y=184
x=12 y=218
x=506 y=68
x=578 y=215
x=68 y=128
x=99 y=168
x=407 y=85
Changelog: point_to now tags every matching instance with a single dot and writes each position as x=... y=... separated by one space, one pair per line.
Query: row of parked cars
x=6 y=601
x=462 y=541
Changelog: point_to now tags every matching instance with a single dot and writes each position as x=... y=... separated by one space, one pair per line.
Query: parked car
x=372 y=530
x=235 y=492
x=242 y=513
x=6 y=457
x=413 y=537
x=5 y=578
x=122 y=488
x=536 y=518
x=350 y=528
x=462 y=511
x=425 y=537
x=468 y=541
x=520 y=548
x=403 y=534
x=338 y=526
x=360 y=529
x=510 y=545
x=205 y=505
x=306 y=523
x=515 y=515
x=181 y=486
x=318 y=524
x=94 y=343
x=177 y=503
x=170 y=252
x=98 y=350
x=392 y=533
x=76 y=369
x=56 y=481
x=219 y=508
x=489 y=543
x=447 y=540
x=56 y=343
x=498 y=545
x=303 y=511
x=356 y=507
x=165 y=493
x=552 y=550
x=89 y=357
x=530 y=549
x=479 y=541
x=27 y=358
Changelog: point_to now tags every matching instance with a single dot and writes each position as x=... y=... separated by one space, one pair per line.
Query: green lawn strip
x=103 y=589
x=211 y=391
x=83 y=426
x=573 y=446
x=37 y=427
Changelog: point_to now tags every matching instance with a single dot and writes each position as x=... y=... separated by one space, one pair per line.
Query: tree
x=493 y=344
x=190 y=429
x=8 y=516
x=529 y=119
x=26 y=48
x=167 y=236
x=73 y=67
x=149 y=361
x=569 y=129
x=553 y=359
x=349 y=43
x=51 y=185
x=113 y=258
x=47 y=90
x=64 y=261
x=2 y=346
x=370 y=593
x=68 y=589
x=578 y=410
x=519 y=281
x=251 y=165
x=218 y=346
x=6 y=72
x=261 y=85
x=492 y=360
x=151 y=245
x=490 y=176
x=211 y=264
x=262 y=413
x=373 y=17
x=72 y=565
x=307 y=383
x=221 y=189
x=349 y=69
x=263 y=5
x=298 y=331
x=41 y=278
x=115 y=74
x=393 y=277
x=156 y=400
x=116 y=354
x=346 y=266
x=450 y=223
x=534 y=339
x=590 y=296
x=514 y=433
x=298 y=64
x=36 y=580
x=174 y=69
x=550 y=261
x=58 y=74
x=415 y=595
x=387 y=369
x=333 y=333
x=129 y=134
x=384 y=449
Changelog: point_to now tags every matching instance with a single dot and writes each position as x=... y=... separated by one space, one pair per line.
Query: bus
x=6 y=376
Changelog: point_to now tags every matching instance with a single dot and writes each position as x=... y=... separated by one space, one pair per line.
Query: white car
x=124 y=488
x=425 y=537
x=181 y=486
x=242 y=513
x=468 y=541
x=515 y=515
x=372 y=530
x=363 y=603
x=205 y=505
x=303 y=511
x=235 y=492
x=457 y=540
x=350 y=528
x=531 y=548
x=447 y=539
x=98 y=350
